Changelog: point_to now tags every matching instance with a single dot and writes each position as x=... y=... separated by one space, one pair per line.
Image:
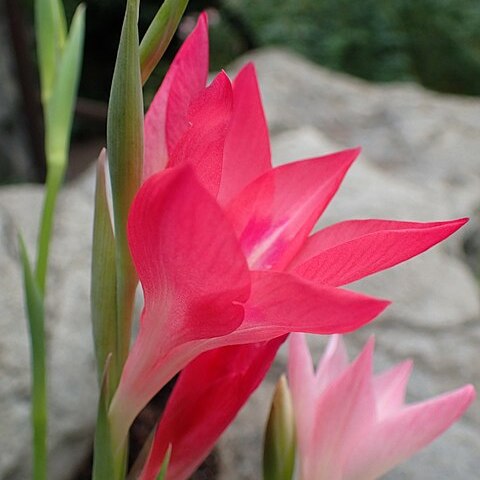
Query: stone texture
x=72 y=383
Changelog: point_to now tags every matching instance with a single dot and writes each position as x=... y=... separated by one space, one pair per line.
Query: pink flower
x=353 y=425
x=220 y=241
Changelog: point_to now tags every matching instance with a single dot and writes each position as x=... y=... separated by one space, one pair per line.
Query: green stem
x=36 y=323
x=39 y=407
x=53 y=184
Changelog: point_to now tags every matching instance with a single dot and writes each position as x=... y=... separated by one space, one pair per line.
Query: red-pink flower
x=208 y=395
x=353 y=425
x=220 y=240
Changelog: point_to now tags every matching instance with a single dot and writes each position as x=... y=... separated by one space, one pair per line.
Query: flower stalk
x=59 y=57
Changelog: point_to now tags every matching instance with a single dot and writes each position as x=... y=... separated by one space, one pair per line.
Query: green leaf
x=51 y=32
x=58 y=125
x=159 y=35
x=163 y=470
x=125 y=157
x=103 y=465
x=280 y=443
x=60 y=107
x=103 y=282
x=36 y=321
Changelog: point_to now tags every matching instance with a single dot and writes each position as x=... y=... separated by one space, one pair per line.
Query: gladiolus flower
x=206 y=398
x=353 y=425
x=220 y=239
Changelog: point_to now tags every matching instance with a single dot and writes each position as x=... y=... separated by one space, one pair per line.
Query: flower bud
x=280 y=445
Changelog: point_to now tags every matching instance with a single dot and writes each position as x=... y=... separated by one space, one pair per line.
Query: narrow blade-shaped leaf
x=51 y=33
x=103 y=466
x=60 y=108
x=159 y=35
x=58 y=125
x=125 y=157
x=103 y=283
x=162 y=474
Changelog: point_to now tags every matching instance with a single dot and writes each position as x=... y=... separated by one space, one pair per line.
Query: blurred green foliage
x=433 y=42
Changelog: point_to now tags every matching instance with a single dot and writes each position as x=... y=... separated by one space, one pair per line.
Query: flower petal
x=390 y=388
x=343 y=412
x=184 y=80
x=203 y=143
x=190 y=77
x=207 y=397
x=281 y=303
x=301 y=379
x=332 y=364
x=400 y=436
x=348 y=251
x=194 y=277
x=247 y=147
x=185 y=250
x=273 y=215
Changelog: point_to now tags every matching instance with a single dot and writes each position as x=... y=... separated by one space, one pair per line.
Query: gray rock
x=72 y=381
x=377 y=193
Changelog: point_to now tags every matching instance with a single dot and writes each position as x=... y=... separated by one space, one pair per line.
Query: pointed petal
x=189 y=80
x=203 y=143
x=390 y=388
x=351 y=250
x=400 y=436
x=184 y=80
x=247 y=148
x=343 y=413
x=278 y=304
x=301 y=380
x=273 y=215
x=207 y=397
x=332 y=364
x=185 y=250
x=281 y=303
x=194 y=277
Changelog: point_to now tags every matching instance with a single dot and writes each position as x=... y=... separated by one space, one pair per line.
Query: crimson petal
x=207 y=396
x=275 y=213
x=167 y=116
x=348 y=251
x=247 y=147
x=194 y=278
x=203 y=143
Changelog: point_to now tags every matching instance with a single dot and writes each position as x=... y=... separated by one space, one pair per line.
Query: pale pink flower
x=354 y=425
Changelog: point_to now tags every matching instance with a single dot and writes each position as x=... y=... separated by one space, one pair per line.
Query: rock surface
x=72 y=382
